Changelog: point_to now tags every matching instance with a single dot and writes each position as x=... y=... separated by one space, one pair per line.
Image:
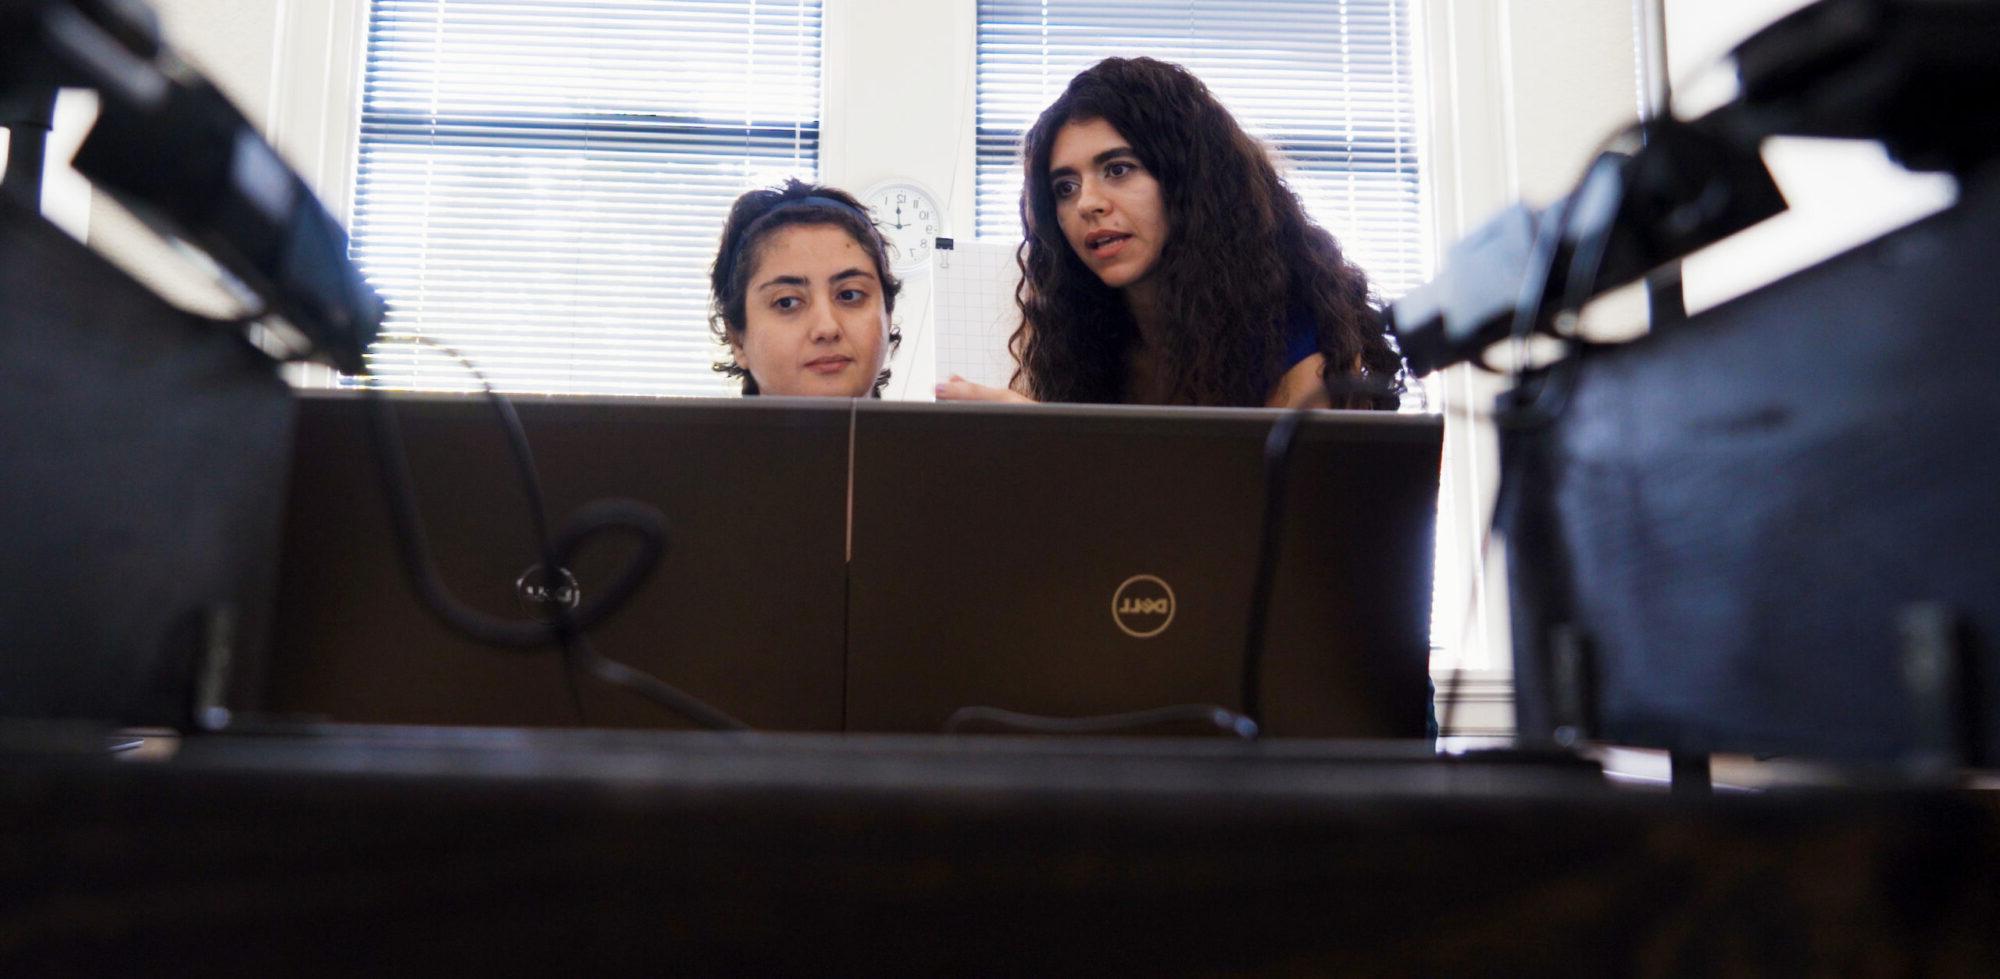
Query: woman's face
x=1108 y=204
x=814 y=322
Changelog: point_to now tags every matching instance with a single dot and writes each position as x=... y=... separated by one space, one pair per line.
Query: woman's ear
x=736 y=352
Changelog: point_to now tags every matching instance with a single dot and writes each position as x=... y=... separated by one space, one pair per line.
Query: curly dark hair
x=1241 y=255
x=752 y=219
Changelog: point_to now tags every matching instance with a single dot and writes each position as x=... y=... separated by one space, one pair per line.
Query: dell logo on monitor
x=532 y=591
x=1143 y=606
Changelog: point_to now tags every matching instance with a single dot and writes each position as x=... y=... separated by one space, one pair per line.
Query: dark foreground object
x=1771 y=529
x=142 y=479
x=438 y=850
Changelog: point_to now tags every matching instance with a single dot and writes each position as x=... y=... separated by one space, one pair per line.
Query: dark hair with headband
x=752 y=219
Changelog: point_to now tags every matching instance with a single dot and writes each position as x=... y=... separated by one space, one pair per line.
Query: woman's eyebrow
x=782 y=280
x=802 y=281
x=1097 y=161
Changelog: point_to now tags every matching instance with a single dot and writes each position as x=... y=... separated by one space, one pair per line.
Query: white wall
x=1521 y=94
x=898 y=104
x=1573 y=84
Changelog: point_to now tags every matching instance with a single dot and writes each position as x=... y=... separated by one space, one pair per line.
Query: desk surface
x=504 y=850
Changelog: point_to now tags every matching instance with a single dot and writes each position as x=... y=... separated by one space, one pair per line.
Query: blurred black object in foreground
x=1920 y=76
x=180 y=155
x=144 y=452
x=1774 y=528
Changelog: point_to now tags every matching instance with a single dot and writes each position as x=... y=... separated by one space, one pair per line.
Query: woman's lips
x=1106 y=246
x=829 y=365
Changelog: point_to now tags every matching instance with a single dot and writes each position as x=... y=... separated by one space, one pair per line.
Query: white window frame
x=315 y=110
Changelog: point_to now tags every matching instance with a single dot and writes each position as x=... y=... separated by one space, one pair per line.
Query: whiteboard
x=974 y=306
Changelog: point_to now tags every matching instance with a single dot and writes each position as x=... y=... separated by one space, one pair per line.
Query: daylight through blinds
x=1329 y=84
x=542 y=183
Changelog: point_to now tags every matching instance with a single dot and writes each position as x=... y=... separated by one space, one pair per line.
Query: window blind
x=1329 y=84
x=542 y=183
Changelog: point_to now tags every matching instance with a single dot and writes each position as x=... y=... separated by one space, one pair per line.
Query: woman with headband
x=1167 y=262
x=801 y=294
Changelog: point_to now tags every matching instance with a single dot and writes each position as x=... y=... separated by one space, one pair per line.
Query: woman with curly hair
x=801 y=294
x=1167 y=262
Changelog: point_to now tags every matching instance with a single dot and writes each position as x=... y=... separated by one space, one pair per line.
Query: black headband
x=736 y=251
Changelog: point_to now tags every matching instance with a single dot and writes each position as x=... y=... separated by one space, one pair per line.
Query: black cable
x=1585 y=262
x=1530 y=303
x=570 y=686
x=1529 y=308
x=1588 y=259
x=592 y=520
x=523 y=456
x=1278 y=447
x=1277 y=464
x=1222 y=719
x=28 y=129
x=415 y=548
x=1552 y=393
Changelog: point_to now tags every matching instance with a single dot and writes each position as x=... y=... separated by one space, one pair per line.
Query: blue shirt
x=1301 y=337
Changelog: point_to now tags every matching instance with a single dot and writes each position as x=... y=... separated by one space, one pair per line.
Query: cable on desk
x=628 y=517
x=1222 y=719
x=1277 y=464
x=1279 y=446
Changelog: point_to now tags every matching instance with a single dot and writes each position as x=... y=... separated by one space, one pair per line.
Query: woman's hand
x=960 y=389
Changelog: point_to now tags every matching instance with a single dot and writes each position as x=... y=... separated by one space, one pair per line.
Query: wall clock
x=910 y=218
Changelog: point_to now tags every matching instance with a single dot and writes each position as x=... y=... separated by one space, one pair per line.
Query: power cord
x=1277 y=465
x=630 y=518
x=1278 y=450
x=1222 y=719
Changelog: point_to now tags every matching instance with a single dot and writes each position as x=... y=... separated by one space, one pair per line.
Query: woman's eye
x=787 y=303
x=1063 y=188
x=850 y=295
x=1120 y=169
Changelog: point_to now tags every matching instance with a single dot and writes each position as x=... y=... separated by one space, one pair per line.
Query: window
x=1330 y=84
x=542 y=184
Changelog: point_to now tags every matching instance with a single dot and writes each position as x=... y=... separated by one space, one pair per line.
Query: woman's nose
x=824 y=326
x=1088 y=199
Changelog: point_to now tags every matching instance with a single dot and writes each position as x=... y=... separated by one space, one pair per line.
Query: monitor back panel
x=1022 y=558
x=745 y=611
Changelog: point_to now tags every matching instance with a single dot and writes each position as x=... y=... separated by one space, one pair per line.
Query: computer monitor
x=1070 y=561
x=745 y=611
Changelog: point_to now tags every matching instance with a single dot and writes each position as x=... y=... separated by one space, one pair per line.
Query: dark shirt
x=1301 y=337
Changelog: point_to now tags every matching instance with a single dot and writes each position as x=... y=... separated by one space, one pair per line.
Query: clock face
x=909 y=217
